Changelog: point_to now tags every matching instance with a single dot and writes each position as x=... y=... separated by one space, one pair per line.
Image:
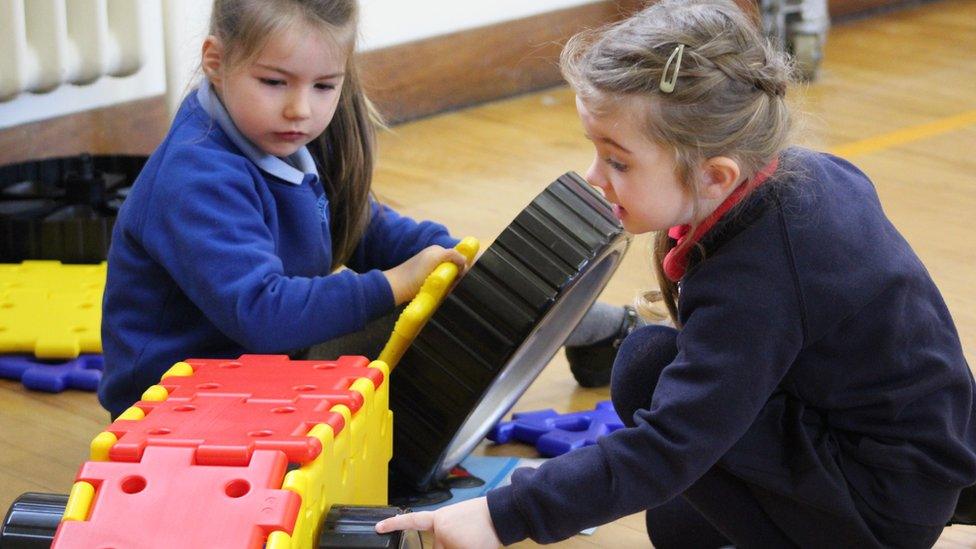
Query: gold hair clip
x=667 y=85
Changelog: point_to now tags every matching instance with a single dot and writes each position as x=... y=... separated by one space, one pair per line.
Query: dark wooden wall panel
x=456 y=70
x=406 y=81
x=135 y=127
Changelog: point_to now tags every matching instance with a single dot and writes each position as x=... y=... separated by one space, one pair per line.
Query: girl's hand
x=464 y=525
x=406 y=278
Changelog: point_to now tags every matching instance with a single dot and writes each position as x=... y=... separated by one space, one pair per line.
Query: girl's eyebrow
x=611 y=142
x=286 y=73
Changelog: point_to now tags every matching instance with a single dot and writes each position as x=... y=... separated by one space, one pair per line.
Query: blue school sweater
x=220 y=250
x=817 y=359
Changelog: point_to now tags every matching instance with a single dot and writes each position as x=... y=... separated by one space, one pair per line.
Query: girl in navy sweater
x=815 y=393
x=231 y=238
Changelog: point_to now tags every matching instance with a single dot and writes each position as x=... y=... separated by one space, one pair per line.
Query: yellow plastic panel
x=51 y=310
x=352 y=468
x=371 y=472
x=422 y=307
x=320 y=483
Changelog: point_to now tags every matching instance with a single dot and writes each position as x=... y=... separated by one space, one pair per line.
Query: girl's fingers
x=458 y=259
x=410 y=521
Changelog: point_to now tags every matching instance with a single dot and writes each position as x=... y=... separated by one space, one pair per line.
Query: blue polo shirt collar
x=299 y=165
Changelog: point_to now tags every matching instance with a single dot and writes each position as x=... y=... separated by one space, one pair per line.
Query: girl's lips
x=289 y=136
x=618 y=211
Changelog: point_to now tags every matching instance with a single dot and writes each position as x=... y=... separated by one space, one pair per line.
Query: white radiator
x=59 y=56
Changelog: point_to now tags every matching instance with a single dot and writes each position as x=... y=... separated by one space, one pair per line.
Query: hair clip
x=667 y=85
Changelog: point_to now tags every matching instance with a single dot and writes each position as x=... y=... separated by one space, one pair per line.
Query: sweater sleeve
x=742 y=331
x=391 y=238
x=212 y=239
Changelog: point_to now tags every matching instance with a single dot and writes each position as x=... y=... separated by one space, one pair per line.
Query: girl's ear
x=211 y=58
x=721 y=176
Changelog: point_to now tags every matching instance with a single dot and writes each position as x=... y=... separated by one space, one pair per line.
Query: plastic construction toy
x=51 y=310
x=81 y=373
x=251 y=452
x=63 y=208
x=239 y=453
x=499 y=326
x=555 y=434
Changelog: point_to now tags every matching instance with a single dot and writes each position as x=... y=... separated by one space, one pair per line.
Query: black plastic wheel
x=63 y=208
x=500 y=326
x=32 y=521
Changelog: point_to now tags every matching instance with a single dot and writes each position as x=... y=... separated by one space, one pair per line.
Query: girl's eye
x=272 y=81
x=324 y=86
x=620 y=167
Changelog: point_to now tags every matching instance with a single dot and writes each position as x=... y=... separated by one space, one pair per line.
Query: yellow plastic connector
x=155 y=393
x=181 y=369
x=101 y=444
x=278 y=540
x=79 y=501
x=132 y=413
x=422 y=307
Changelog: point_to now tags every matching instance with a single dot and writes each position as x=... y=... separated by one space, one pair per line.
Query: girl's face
x=636 y=175
x=287 y=96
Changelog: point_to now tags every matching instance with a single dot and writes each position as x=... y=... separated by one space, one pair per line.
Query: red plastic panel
x=165 y=501
x=226 y=429
x=274 y=377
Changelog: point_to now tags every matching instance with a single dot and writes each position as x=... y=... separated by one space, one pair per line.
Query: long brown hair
x=346 y=152
x=728 y=99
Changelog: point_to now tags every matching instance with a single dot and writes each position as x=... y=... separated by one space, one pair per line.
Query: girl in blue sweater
x=261 y=189
x=231 y=238
x=815 y=393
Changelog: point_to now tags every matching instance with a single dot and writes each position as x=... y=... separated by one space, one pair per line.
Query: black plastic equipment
x=499 y=327
x=32 y=520
x=349 y=526
x=63 y=208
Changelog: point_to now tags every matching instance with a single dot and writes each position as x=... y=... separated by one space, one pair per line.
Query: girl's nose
x=595 y=178
x=297 y=107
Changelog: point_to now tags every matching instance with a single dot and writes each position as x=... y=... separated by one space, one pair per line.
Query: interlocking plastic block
x=330 y=417
x=82 y=373
x=227 y=429
x=166 y=501
x=51 y=310
x=555 y=434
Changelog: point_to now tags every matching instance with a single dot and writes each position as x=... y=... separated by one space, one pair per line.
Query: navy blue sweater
x=816 y=358
x=219 y=251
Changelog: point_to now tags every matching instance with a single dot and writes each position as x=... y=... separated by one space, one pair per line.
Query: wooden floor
x=897 y=95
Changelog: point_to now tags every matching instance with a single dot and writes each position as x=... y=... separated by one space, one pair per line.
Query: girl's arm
x=743 y=330
x=208 y=231
x=391 y=239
